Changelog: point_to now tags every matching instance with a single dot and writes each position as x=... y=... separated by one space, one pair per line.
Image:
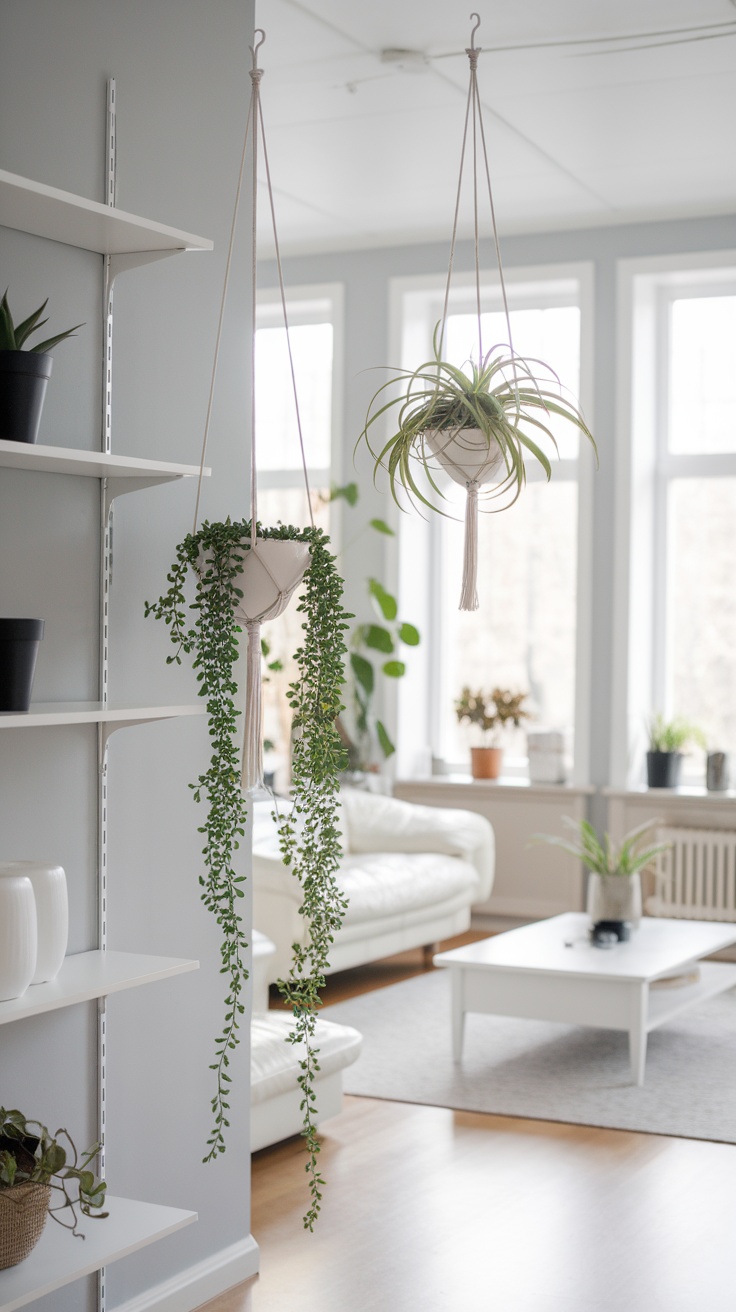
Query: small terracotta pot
x=485 y=762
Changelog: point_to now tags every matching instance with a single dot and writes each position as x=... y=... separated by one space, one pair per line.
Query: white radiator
x=696 y=878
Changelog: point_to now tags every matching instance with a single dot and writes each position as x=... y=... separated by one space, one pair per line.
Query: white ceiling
x=365 y=153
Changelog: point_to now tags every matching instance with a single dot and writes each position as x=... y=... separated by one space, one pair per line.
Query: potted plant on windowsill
x=477 y=426
x=491 y=713
x=614 y=882
x=24 y=373
x=34 y=1166
x=667 y=740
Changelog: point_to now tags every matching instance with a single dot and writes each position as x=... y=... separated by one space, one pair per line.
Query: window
x=675 y=593
x=315 y=335
x=695 y=509
x=525 y=634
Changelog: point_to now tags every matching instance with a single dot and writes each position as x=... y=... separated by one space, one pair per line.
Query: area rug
x=544 y=1070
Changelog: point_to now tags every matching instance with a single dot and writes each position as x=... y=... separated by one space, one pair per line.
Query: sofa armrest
x=375 y=823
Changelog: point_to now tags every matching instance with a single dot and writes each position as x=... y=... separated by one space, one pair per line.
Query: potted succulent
x=667 y=739
x=478 y=426
x=34 y=1166
x=491 y=713
x=24 y=373
x=19 y=643
x=226 y=570
x=614 y=883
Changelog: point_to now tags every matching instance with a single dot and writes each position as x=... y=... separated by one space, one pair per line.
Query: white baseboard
x=200 y=1283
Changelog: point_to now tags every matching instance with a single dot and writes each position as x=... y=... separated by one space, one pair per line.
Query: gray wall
x=366 y=275
x=182 y=95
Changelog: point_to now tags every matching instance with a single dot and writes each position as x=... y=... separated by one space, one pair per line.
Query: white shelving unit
x=59 y=1258
x=124 y=240
x=88 y=975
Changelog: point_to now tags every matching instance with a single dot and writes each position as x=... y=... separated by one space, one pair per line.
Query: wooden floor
x=429 y=1210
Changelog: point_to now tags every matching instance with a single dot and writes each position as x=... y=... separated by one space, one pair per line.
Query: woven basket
x=23 y=1212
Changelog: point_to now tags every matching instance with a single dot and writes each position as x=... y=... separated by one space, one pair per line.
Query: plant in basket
x=35 y=1166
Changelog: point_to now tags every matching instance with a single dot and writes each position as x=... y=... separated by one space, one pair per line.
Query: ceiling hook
x=257 y=43
x=475 y=29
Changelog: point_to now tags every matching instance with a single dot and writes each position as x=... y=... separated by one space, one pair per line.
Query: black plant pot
x=23 y=379
x=663 y=769
x=19 y=640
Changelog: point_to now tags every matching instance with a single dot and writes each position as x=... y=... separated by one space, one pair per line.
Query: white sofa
x=410 y=873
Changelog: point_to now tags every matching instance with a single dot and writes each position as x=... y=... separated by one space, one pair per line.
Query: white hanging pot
x=471 y=458
x=18 y=935
x=271 y=573
x=468 y=455
x=52 y=913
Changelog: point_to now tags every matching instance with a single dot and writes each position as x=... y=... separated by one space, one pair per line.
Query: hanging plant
x=219 y=557
x=477 y=426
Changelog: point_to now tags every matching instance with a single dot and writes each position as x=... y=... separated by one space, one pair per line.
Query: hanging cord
x=220 y=320
x=285 y=316
x=255 y=76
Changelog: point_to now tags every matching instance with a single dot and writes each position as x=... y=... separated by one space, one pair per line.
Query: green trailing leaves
x=310 y=839
x=386 y=604
x=409 y=635
x=381 y=526
x=30 y=1154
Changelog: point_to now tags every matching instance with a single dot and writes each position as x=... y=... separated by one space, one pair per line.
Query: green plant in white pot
x=24 y=372
x=228 y=581
x=614 y=884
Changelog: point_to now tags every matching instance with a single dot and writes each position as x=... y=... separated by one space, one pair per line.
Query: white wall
x=367 y=274
x=182 y=93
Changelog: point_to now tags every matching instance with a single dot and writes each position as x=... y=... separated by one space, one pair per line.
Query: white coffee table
x=550 y=971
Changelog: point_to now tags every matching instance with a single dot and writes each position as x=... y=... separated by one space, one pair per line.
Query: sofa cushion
x=381 y=884
x=274 y=1062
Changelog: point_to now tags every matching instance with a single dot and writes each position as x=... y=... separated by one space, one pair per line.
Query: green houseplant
x=34 y=1165
x=373 y=651
x=24 y=372
x=490 y=713
x=667 y=741
x=478 y=425
x=614 y=886
x=214 y=557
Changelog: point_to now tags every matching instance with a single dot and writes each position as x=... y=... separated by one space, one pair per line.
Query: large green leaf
x=381 y=526
x=387 y=605
x=378 y=638
x=409 y=635
x=394 y=669
x=363 y=671
x=384 y=741
x=349 y=493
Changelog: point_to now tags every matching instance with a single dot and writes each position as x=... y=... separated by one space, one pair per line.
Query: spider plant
x=603 y=858
x=501 y=397
x=672 y=735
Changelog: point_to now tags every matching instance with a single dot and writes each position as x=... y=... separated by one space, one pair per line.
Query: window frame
x=646 y=469
x=418 y=699
x=312 y=303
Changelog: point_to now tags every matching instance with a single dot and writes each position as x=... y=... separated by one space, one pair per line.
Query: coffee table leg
x=638 y=1032
x=458 y=1014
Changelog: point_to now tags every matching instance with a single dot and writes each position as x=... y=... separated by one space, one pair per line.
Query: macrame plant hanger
x=465 y=454
x=272 y=568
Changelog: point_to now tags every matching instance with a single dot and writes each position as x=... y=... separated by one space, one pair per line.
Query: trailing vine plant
x=308 y=832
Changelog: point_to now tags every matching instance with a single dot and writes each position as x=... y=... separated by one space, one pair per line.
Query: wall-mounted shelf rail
x=60 y=216
x=88 y=975
x=59 y=1258
x=47 y=714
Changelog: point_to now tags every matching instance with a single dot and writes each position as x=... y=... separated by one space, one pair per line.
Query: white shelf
x=43 y=714
x=88 y=975
x=59 y=1258
x=60 y=216
x=90 y=464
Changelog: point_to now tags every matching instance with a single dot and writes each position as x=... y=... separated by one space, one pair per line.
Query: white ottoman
x=275 y=1095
